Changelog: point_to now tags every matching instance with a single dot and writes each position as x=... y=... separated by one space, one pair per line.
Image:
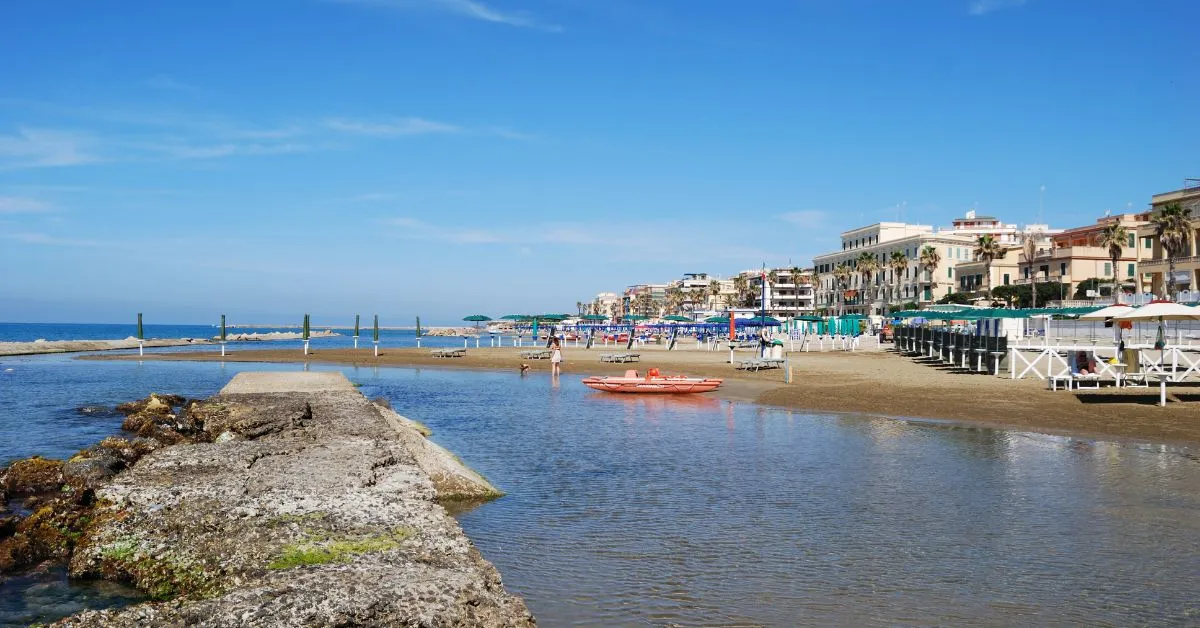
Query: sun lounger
x=758 y=364
x=1074 y=381
x=537 y=354
x=621 y=357
x=448 y=353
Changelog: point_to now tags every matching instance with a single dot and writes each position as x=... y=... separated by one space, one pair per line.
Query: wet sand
x=879 y=383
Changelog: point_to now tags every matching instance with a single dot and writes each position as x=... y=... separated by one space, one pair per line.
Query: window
x=1132 y=240
x=949 y=273
x=1148 y=242
x=1107 y=268
x=1131 y=270
x=1062 y=269
x=1006 y=279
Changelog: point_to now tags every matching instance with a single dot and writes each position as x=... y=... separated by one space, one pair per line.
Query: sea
x=629 y=511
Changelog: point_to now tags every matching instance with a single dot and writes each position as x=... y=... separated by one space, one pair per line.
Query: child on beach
x=555 y=354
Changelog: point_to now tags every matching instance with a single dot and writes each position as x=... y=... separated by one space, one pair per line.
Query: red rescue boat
x=652 y=383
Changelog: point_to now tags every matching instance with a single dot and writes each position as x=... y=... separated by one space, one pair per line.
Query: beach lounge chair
x=537 y=354
x=448 y=353
x=621 y=357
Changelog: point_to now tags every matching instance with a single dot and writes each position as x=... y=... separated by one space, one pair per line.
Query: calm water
x=28 y=332
x=627 y=511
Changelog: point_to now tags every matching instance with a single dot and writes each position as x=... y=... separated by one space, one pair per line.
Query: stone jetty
x=301 y=504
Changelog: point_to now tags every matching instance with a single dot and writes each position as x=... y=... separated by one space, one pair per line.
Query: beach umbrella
x=759 y=321
x=594 y=317
x=375 y=332
x=717 y=319
x=418 y=327
x=476 y=318
x=1161 y=311
x=514 y=317
x=304 y=333
x=356 y=325
x=677 y=318
x=222 y=328
x=552 y=317
x=140 y=335
x=1108 y=312
x=634 y=317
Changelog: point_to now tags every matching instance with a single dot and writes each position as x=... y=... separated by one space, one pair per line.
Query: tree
x=1023 y=295
x=1172 y=225
x=579 y=307
x=1094 y=283
x=1029 y=244
x=866 y=264
x=741 y=286
x=795 y=272
x=643 y=304
x=842 y=273
x=929 y=261
x=673 y=299
x=1114 y=238
x=988 y=249
x=956 y=298
x=898 y=263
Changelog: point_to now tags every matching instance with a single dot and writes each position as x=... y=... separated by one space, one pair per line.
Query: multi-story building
x=1152 y=260
x=972 y=276
x=607 y=304
x=954 y=245
x=1075 y=255
x=788 y=294
x=653 y=295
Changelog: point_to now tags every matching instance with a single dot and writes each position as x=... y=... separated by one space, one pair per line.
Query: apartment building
x=788 y=293
x=1075 y=255
x=954 y=245
x=1152 y=259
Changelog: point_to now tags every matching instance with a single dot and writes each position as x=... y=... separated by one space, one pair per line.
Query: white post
x=476 y=342
x=1162 y=390
x=141 y=347
x=376 y=343
x=464 y=342
x=356 y=342
x=305 y=347
x=222 y=349
x=418 y=342
x=731 y=352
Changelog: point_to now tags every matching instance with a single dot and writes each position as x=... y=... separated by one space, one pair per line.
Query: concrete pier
x=308 y=507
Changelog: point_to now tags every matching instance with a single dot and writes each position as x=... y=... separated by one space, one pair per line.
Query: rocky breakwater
x=287 y=499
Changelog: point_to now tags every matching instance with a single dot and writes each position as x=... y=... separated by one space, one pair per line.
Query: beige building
x=955 y=245
x=972 y=277
x=788 y=296
x=1152 y=260
x=1075 y=255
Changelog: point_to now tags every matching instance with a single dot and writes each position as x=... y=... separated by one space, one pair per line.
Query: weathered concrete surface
x=311 y=512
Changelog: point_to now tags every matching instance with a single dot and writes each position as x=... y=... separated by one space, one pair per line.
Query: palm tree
x=1029 y=243
x=842 y=273
x=1172 y=225
x=929 y=261
x=673 y=299
x=643 y=303
x=866 y=264
x=898 y=263
x=714 y=289
x=988 y=249
x=741 y=285
x=730 y=301
x=1114 y=238
x=795 y=273
x=579 y=307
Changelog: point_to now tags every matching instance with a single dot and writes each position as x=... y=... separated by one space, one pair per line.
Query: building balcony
x=1161 y=265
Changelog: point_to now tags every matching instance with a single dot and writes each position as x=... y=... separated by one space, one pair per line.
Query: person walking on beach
x=555 y=346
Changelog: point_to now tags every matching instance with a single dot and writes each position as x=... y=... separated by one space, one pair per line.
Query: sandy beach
x=71 y=346
x=879 y=383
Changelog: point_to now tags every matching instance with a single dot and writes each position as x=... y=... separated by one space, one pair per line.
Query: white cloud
x=35 y=148
x=391 y=128
x=19 y=205
x=807 y=219
x=48 y=240
x=165 y=82
x=471 y=9
x=651 y=243
x=983 y=7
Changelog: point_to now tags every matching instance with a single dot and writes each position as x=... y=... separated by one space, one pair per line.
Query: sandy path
x=875 y=383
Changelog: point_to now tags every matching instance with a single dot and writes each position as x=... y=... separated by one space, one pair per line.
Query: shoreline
x=877 y=383
x=43 y=347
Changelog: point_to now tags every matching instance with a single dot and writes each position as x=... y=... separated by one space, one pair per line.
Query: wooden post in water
x=222 y=335
x=376 y=335
x=356 y=331
x=304 y=334
x=141 y=336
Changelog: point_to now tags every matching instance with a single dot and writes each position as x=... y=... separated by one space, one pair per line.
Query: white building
x=886 y=288
x=787 y=295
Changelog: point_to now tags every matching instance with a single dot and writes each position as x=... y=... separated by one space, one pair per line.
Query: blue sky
x=448 y=157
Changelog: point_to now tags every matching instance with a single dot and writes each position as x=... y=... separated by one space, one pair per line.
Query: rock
x=32 y=476
x=154 y=404
x=453 y=480
x=82 y=473
x=8 y=525
x=310 y=512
